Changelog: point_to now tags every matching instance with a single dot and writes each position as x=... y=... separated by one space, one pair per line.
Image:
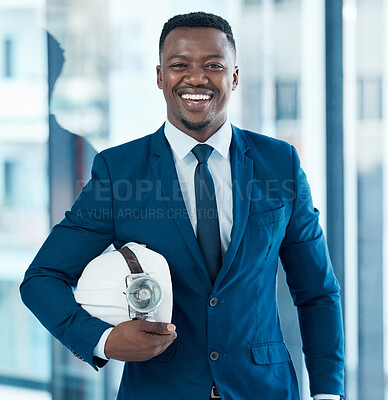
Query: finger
x=173 y=336
x=165 y=341
x=160 y=328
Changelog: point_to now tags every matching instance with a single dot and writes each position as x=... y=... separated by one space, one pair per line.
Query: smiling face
x=197 y=75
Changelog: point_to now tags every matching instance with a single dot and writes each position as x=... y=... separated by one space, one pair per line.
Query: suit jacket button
x=214 y=355
x=213 y=301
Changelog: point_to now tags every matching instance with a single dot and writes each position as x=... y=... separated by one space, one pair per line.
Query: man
x=222 y=250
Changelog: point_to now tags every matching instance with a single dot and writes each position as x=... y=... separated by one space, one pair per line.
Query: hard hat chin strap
x=131 y=259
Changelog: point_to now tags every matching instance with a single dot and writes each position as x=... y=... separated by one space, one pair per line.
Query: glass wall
x=77 y=76
x=365 y=90
x=25 y=360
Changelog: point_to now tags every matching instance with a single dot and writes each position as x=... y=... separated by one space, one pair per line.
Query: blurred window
x=287 y=100
x=9 y=181
x=370 y=98
x=9 y=67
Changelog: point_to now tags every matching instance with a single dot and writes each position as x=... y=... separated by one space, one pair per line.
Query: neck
x=202 y=135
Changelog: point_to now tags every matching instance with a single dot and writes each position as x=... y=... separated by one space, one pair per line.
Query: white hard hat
x=131 y=282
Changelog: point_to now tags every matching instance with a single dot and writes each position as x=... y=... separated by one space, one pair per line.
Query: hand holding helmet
x=139 y=340
x=130 y=288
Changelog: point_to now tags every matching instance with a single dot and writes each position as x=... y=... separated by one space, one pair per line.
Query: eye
x=214 y=66
x=178 y=65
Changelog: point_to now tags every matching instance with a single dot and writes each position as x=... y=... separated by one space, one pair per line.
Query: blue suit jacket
x=134 y=195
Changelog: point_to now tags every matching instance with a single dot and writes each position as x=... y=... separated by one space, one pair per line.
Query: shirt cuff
x=99 y=349
x=326 y=397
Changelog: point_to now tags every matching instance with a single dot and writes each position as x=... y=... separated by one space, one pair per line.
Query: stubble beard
x=198 y=126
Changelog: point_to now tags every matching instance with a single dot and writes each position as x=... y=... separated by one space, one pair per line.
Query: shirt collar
x=182 y=144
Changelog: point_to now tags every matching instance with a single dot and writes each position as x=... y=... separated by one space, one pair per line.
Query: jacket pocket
x=167 y=355
x=268 y=217
x=270 y=353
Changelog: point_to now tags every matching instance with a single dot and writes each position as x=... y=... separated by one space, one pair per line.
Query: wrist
x=99 y=350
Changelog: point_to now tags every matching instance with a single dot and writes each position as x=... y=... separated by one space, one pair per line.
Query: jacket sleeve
x=47 y=289
x=314 y=289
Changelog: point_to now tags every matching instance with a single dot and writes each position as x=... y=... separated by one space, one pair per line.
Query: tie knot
x=202 y=152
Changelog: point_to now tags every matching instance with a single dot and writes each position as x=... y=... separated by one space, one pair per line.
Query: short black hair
x=198 y=19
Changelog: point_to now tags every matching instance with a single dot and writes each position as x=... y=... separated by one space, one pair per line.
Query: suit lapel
x=169 y=188
x=242 y=171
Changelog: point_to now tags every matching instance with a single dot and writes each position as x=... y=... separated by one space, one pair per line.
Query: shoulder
x=133 y=149
x=262 y=145
x=133 y=158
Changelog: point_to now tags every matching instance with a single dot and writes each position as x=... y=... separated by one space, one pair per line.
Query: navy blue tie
x=208 y=230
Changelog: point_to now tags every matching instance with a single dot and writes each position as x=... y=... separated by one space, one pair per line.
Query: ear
x=159 y=76
x=235 y=78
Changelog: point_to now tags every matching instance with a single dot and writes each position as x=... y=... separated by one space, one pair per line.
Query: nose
x=196 y=75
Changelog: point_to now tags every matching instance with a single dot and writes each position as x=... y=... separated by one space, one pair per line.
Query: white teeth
x=195 y=96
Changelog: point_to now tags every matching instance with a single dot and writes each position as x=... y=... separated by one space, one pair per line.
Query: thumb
x=161 y=328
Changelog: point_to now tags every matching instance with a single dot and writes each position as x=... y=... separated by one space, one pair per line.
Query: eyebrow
x=182 y=57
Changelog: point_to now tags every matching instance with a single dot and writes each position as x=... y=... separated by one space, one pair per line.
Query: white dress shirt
x=219 y=167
